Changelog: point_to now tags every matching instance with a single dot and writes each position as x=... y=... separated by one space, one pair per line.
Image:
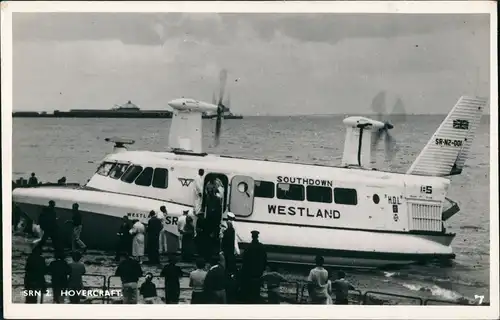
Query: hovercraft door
x=241 y=199
x=221 y=181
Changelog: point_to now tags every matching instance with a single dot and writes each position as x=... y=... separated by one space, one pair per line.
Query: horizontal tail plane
x=448 y=149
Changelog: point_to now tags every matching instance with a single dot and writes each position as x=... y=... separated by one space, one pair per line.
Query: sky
x=278 y=64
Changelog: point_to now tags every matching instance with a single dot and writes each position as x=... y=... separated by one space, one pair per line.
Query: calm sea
x=73 y=148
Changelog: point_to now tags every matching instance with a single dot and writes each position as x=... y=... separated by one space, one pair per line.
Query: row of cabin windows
x=297 y=192
x=158 y=178
x=155 y=177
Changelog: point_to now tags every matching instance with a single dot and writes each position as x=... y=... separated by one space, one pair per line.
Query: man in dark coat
x=34 y=276
x=48 y=223
x=341 y=288
x=129 y=271
x=153 y=241
x=124 y=239
x=201 y=237
x=16 y=216
x=214 y=287
x=59 y=271
x=254 y=265
x=77 y=229
x=213 y=215
x=172 y=274
x=229 y=245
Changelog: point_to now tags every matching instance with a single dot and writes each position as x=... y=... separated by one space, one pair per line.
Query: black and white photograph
x=250 y=153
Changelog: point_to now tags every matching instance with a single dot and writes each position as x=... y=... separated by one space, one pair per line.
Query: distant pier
x=128 y=110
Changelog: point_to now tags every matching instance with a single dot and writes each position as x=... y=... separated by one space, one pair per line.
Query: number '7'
x=481 y=298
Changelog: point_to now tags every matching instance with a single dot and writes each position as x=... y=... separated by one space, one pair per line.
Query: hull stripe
x=387 y=256
x=430 y=233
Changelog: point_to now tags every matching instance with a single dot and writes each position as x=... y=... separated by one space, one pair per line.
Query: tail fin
x=446 y=152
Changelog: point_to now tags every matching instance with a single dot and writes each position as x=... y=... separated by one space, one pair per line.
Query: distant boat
x=225 y=116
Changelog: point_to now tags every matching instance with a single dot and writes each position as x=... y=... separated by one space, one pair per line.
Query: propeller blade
x=398 y=115
x=223 y=80
x=214 y=100
x=390 y=146
x=399 y=112
x=220 y=106
x=227 y=104
x=218 y=125
x=376 y=138
x=378 y=104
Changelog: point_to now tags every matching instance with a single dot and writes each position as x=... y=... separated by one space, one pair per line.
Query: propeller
x=227 y=104
x=220 y=105
x=398 y=115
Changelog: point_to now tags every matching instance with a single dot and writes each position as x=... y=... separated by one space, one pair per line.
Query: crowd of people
x=204 y=237
x=203 y=233
x=48 y=228
x=212 y=282
x=64 y=275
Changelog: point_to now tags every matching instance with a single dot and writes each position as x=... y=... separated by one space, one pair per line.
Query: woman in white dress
x=138 y=230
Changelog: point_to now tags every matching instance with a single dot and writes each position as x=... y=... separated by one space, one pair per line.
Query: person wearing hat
x=229 y=244
x=254 y=265
x=154 y=228
x=187 y=248
x=180 y=226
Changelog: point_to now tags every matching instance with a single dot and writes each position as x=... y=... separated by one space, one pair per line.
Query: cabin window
x=144 y=179
x=263 y=189
x=345 y=196
x=288 y=191
x=160 y=178
x=105 y=168
x=131 y=173
x=319 y=194
x=118 y=170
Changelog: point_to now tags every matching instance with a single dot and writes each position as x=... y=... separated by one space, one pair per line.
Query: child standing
x=148 y=289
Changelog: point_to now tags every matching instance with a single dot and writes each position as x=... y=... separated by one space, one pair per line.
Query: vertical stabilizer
x=358 y=141
x=186 y=131
x=448 y=149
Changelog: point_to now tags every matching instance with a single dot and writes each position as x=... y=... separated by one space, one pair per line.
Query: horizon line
x=306 y=114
